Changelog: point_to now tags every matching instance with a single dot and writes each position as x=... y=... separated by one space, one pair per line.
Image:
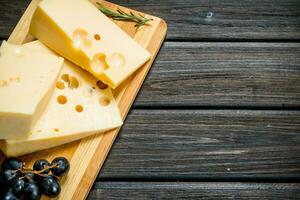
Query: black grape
x=18 y=187
x=62 y=167
x=9 y=196
x=9 y=176
x=12 y=164
x=50 y=186
x=40 y=165
x=32 y=191
x=3 y=185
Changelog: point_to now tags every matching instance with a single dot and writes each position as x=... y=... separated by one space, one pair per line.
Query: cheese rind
x=81 y=33
x=13 y=148
x=63 y=123
x=26 y=83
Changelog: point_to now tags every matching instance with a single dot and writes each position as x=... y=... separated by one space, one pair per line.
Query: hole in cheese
x=101 y=85
x=14 y=79
x=97 y=37
x=104 y=101
x=62 y=99
x=98 y=63
x=65 y=77
x=79 y=108
x=74 y=82
x=115 y=60
x=60 y=85
x=81 y=38
x=3 y=83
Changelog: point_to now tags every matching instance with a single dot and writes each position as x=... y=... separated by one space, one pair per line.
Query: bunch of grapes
x=18 y=182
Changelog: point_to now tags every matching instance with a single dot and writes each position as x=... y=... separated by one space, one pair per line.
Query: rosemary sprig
x=121 y=15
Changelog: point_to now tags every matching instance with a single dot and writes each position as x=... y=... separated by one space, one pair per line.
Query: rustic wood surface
x=202 y=19
x=206 y=144
x=87 y=155
x=220 y=109
x=206 y=190
x=224 y=74
x=225 y=19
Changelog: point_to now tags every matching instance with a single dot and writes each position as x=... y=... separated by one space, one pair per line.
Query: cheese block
x=78 y=31
x=78 y=108
x=26 y=82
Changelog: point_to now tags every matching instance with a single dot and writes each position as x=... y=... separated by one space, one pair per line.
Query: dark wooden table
x=219 y=114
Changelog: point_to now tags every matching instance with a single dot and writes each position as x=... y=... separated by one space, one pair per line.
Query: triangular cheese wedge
x=26 y=84
x=77 y=109
x=78 y=31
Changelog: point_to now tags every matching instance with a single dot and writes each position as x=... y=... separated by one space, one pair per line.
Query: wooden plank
x=190 y=19
x=10 y=13
x=221 y=20
x=87 y=155
x=207 y=144
x=192 y=190
x=224 y=74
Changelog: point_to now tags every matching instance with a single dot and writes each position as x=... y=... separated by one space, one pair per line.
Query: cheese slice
x=81 y=33
x=77 y=109
x=26 y=83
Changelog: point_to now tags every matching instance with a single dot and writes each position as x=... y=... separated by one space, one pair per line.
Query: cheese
x=77 y=109
x=81 y=33
x=26 y=83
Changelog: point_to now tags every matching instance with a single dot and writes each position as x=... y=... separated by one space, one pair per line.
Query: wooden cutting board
x=88 y=155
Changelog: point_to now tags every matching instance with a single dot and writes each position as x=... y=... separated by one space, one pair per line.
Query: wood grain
x=87 y=155
x=189 y=19
x=207 y=144
x=192 y=190
x=10 y=12
x=224 y=74
x=230 y=19
x=204 y=145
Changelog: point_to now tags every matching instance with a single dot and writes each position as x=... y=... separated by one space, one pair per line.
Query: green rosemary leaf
x=121 y=15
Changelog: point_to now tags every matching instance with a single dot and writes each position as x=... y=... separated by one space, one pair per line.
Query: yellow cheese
x=77 y=109
x=81 y=33
x=26 y=83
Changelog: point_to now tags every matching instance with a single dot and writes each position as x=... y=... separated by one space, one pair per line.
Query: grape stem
x=39 y=173
x=46 y=168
